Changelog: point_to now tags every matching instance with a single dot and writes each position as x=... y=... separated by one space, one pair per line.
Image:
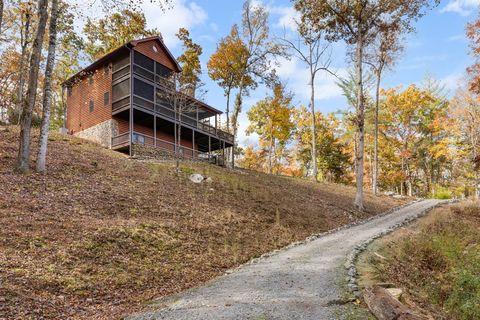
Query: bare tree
x=311 y=50
x=25 y=22
x=357 y=23
x=257 y=63
x=1 y=14
x=23 y=161
x=47 y=89
x=381 y=54
x=175 y=94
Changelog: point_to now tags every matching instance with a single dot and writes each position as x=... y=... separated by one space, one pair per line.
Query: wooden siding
x=161 y=56
x=79 y=116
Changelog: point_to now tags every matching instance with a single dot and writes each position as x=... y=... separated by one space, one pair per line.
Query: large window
x=143 y=89
x=143 y=61
x=121 y=90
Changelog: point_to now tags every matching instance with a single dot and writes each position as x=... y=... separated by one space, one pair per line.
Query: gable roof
x=129 y=45
x=159 y=39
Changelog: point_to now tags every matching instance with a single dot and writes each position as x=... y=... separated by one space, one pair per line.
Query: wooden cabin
x=128 y=101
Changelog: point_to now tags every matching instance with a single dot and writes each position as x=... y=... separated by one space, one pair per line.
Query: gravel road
x=304 y=282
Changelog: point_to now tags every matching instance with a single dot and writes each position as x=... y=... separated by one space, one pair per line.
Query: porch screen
x=120 y=63
x=143 y=89
x=162 y=71
x=143 y=61
x=121 y=90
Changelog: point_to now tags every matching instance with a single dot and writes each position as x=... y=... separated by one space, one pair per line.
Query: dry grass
x=99 y=235
x=437 y=261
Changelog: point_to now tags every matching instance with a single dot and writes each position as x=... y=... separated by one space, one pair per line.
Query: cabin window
x=106 y=69
x=121 y=90
x=117 y=65
x=154 y=47
x=106 y=98
x=90 y=106
x=143 y=61
x=138 y=138
x=143 y=89
x=90 y=80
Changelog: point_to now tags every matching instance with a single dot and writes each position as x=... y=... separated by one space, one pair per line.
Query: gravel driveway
x=304 y=282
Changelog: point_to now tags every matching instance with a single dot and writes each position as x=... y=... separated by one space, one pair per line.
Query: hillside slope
x=435 y=261
x=100 y=234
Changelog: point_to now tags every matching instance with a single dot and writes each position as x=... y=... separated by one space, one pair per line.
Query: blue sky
x=439 y=48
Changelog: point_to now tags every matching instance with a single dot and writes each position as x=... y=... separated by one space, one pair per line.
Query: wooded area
x=414 y=140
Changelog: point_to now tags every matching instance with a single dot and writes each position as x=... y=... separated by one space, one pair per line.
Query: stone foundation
x=146 y=151
x=102 y=133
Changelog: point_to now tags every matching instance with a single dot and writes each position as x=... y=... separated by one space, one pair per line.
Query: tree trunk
x=1 y=15
x=24 y=36
x=314 y=127
x=178 y=106
x=47 y=90
x=229 y=152
x=375 y=142
x=23 y=162
x=403 y=182
x=385 y=306
x=228 y=109
x=360 y=123
x=238 y=107
x=477 y=186
x=270 y=151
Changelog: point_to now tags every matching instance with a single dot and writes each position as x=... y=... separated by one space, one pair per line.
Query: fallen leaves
x=98 y=235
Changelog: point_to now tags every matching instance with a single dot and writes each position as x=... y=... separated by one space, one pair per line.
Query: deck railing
x=170 y=147
x=169 y=113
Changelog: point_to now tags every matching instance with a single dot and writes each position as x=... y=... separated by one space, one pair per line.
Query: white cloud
x=452 y=81
x=183 y=14
x=297 y=77
x=457 y=37
x=288 y=17
x=243 y=139
x=462 y=7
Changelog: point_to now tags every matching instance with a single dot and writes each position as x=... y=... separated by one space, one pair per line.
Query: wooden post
x=223 y=152
x=154 y=129
x=131 y=103
x=209 y=147
x=193 y=144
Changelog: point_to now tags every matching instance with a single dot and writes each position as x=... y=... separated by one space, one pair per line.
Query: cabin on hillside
x=128 y=101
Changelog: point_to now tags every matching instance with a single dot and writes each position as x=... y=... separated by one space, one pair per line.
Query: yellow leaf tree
x=271 y=119
x=226 y=66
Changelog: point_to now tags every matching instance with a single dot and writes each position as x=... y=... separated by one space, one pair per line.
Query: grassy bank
x=99 y=234
x=436 y=261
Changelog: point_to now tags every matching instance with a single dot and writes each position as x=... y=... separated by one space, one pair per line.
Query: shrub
x=443 y=193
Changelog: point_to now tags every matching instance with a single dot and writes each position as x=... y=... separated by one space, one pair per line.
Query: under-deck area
x=156 y=131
